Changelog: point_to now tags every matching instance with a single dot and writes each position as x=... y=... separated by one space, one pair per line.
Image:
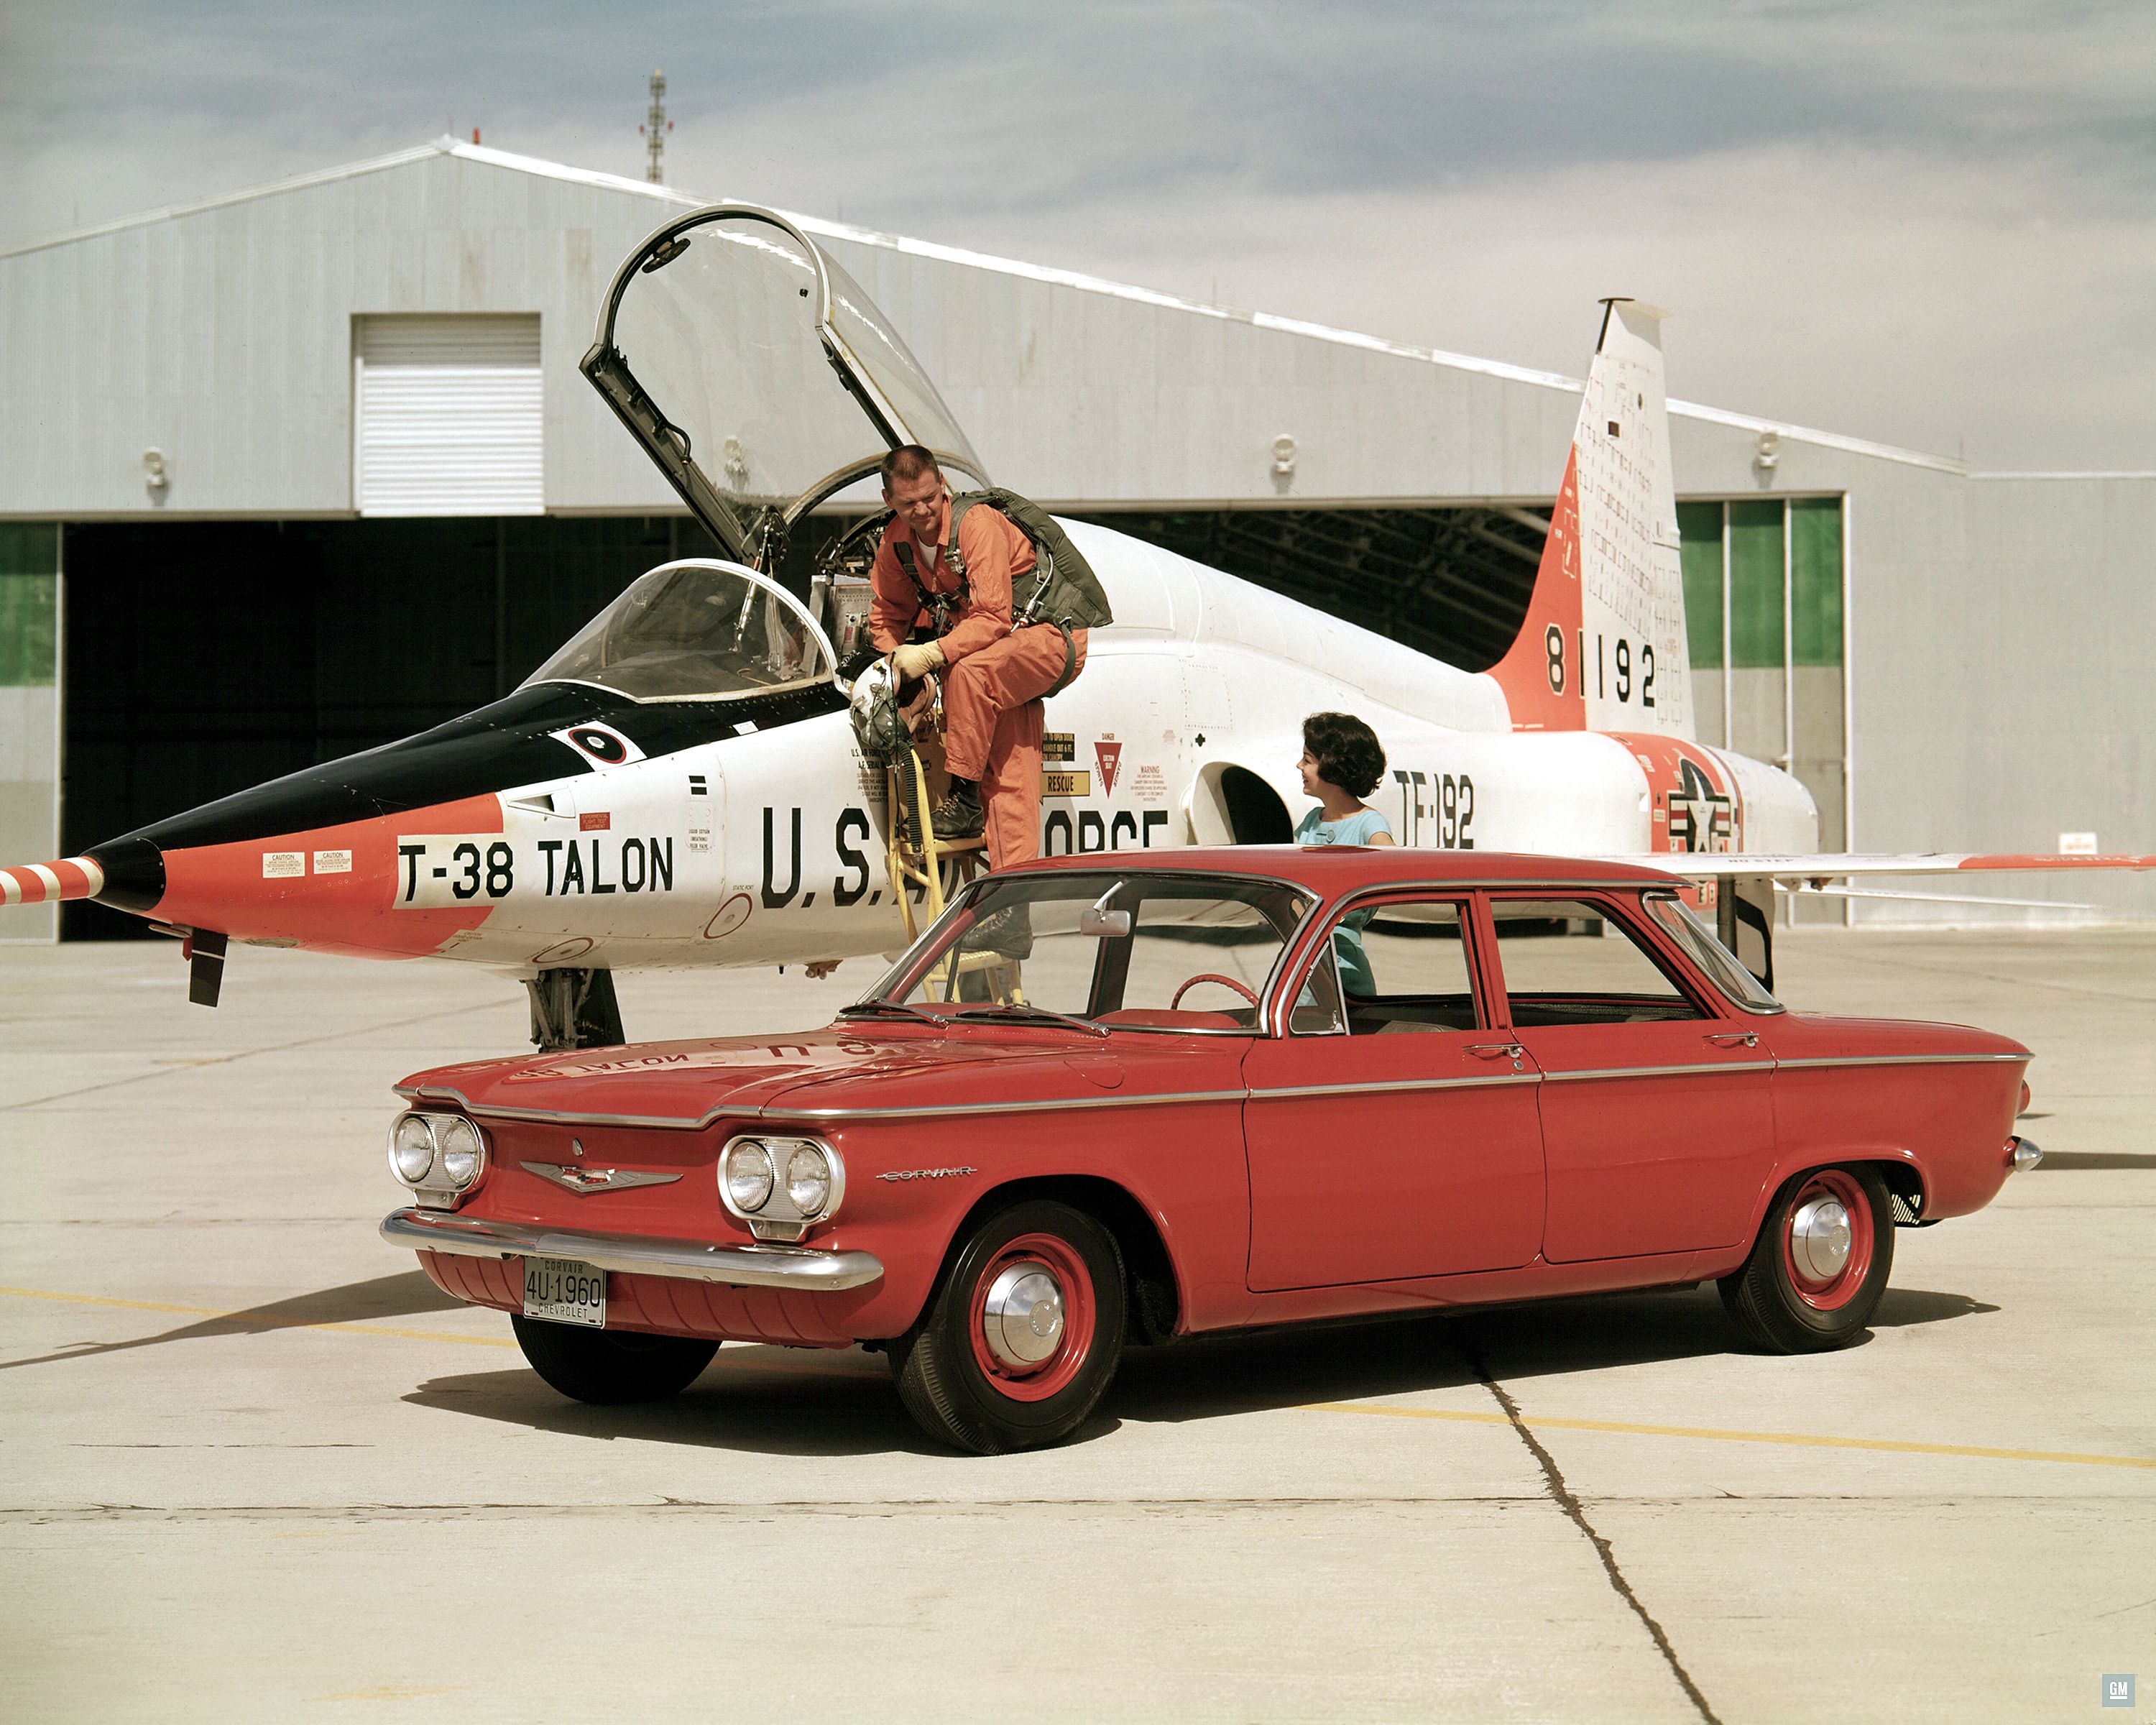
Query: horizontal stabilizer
x=1850 y=866
x=51 y=883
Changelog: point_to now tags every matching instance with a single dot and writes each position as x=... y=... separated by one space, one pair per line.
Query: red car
x=1114 y=1098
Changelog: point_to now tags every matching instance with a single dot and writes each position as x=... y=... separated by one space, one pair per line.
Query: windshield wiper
x=1038 y=1014
x=872 y=1008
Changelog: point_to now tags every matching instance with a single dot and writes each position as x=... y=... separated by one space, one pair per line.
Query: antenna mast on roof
x=655 y=127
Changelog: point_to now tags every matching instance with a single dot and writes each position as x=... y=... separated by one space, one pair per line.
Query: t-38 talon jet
x=681 y=783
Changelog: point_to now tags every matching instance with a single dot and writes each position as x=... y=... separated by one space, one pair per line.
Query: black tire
x=609 y=1367
x=1776 y=1306
x=961 y=1385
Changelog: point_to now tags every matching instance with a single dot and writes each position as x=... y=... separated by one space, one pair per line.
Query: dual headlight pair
x=780 y=1186
x=438 y=1156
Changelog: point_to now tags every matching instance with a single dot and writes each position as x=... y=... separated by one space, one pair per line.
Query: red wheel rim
x=1007 y=1297
x=1819 y=1283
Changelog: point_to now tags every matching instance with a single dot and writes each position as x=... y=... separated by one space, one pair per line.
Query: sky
x=1931 y=225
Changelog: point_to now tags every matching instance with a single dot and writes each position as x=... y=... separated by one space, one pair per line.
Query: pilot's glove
x=916 y=658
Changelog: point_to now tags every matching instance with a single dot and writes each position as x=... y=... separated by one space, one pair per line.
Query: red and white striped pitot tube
x=50 y=883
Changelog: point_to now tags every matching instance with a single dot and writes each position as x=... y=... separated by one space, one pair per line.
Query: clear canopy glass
x=719 y=326
x=695 y=631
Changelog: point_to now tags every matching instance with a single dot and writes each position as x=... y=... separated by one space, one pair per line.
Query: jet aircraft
x=682 y=783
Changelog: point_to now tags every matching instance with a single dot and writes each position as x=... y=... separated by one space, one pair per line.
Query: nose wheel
x=573 y=1008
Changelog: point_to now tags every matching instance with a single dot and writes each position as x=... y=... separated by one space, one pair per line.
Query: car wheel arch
x=1154 y=1294
x=1901 y=1169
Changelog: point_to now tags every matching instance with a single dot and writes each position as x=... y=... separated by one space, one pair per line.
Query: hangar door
x=1764 y=580
x=448 y=416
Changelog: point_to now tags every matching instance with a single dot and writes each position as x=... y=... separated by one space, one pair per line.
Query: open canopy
x=757 y=374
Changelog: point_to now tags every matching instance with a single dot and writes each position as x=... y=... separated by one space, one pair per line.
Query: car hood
x=881 y=1066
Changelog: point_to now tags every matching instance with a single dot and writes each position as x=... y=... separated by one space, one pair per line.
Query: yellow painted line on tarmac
x=259 y=1320
x=1889 y=1446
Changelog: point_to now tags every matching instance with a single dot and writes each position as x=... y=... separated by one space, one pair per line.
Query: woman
x=1341 y=763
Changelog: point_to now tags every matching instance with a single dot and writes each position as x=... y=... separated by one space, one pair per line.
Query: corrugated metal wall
x=448 y=416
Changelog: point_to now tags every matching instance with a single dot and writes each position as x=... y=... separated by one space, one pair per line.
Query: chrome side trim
x=680 y=1122
x=1660 y=1071
x=749 y=1266
x=1929 y=1060
x=1392 y=1086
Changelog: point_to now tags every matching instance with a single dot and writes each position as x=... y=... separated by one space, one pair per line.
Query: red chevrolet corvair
x=1127 y=1097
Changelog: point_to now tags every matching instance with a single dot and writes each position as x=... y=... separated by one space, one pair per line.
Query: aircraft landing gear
x=574 y=1008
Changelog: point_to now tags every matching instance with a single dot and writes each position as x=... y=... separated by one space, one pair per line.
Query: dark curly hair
x=1347 y=751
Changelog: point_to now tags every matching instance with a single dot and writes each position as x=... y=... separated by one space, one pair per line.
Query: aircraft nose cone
x=133 y=872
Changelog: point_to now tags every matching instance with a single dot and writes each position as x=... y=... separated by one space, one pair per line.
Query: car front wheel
x=1820 y=1265
x=1023 y=1334
x=611 y=1367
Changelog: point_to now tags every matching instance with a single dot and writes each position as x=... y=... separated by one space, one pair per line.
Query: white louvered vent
x=448 y=416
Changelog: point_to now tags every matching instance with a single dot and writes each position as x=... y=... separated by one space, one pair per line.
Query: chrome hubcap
x=1819 y=1239
x=1023 y=1316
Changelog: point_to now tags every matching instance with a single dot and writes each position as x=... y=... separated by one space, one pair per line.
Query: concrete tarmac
x=253 y=1467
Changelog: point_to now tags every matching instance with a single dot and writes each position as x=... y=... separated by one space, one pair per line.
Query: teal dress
x=1313 y=829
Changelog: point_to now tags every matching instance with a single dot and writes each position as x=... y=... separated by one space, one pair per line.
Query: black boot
x=1007 y=933
x=958 y=815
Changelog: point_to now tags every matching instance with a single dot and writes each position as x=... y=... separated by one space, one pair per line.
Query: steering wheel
x=1226 y=982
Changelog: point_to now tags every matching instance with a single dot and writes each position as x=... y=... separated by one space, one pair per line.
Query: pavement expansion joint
x=1564 y=1496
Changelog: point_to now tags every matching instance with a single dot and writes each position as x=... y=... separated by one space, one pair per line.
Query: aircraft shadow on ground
x=786 y=1401
x=405 y=1295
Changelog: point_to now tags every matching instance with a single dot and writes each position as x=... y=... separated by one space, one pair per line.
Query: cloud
x=1926 y=224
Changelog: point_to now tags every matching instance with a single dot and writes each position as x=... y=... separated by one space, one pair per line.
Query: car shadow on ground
x=796 y=1402
x=2088 y=1161
x=773 y=1401
x=404 y=1294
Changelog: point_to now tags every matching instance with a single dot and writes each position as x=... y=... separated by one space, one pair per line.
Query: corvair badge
x=925 y=1173
x=585 y=1181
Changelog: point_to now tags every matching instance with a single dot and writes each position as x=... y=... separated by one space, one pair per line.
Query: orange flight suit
x=994 y=677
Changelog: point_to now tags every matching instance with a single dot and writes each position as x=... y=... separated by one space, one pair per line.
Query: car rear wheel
x=611 y=1367
x=1820 y=1265
x=1022 y=1336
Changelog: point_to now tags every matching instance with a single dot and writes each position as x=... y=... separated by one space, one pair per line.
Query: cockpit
x=696 y=631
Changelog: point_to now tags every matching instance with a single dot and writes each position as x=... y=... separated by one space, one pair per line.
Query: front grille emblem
x=585 y=1181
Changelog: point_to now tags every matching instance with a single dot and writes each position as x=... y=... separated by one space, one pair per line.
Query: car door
x=1391 y=1135
x=1658 y=1127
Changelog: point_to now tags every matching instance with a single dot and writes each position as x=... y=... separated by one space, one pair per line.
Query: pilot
x=951 y=616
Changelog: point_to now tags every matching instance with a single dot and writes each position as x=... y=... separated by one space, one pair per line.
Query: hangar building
x=293 y=472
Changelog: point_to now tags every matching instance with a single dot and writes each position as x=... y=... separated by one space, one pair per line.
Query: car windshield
x=1115 y=950
x=1709 y=955
x=694 y=631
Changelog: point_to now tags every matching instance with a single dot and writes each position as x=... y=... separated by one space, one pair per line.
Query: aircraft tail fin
x=51 y=883
x=1603 y=645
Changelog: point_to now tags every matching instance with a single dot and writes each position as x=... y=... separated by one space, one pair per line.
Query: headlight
x=749 y=1176
x=459 y=1144
x=411 y=1148
x=808 y=1180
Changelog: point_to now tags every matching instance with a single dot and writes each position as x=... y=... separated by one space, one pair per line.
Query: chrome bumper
x=748 y=1266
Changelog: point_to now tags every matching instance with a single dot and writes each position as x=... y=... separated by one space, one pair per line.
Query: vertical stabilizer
x=1602 y=647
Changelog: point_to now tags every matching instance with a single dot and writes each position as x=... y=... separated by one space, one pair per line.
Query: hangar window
x=448 y=416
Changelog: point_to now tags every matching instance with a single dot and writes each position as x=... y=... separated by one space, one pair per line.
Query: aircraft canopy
x=695 y=631
x=757 y=374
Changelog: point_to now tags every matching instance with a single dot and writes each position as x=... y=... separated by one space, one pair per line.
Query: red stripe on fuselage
x=223 y=886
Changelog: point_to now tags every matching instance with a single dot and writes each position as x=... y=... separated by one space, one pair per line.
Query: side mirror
x=1109 y=924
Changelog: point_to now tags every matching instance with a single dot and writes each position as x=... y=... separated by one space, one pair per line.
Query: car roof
x=1334 y=869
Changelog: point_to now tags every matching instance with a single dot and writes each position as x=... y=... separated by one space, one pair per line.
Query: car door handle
x=1496 y=1050
x=1735 y=1039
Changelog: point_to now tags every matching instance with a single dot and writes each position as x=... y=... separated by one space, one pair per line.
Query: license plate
x=564 y=1291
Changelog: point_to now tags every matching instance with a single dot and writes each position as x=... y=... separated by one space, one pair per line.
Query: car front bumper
x=798 y=1268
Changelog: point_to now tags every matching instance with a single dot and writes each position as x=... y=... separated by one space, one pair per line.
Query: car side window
x=1404 y=969
x=1569 y=962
